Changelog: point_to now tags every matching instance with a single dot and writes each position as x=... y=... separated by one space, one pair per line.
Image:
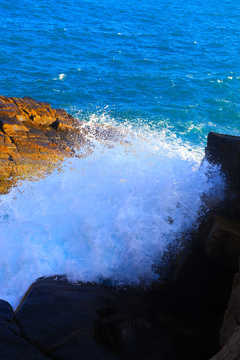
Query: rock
x=225 y=150
x=231 y=351
x=230 y=330
x=88 y=321
x=136 y=338
x=232 y=316
x=83 y=347
x=59 y=318
x=12 y=345
x=218 y=238
x=229 y=325
x=223 y=242
x=34 y=139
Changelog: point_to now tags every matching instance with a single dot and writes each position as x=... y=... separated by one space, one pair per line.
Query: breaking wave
x=104 y=217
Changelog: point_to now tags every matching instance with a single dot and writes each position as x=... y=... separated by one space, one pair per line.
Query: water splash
x=107 y=216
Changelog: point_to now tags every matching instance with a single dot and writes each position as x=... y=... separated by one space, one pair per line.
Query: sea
x=165 y=73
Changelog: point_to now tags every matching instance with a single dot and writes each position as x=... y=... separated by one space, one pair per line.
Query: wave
x=107 y=216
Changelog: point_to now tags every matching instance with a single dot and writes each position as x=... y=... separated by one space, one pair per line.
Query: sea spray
x=107 y=216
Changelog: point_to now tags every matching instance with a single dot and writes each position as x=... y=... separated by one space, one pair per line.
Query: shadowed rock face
x=12 y=344
x=64 y=321
x=34 y=138
x=225 y=150
x=230 y=330
x=222 y=245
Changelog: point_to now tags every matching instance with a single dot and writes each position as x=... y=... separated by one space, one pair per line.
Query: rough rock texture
x=232 y=316
x=231 y=351
x=230 y=330
x=33 y=138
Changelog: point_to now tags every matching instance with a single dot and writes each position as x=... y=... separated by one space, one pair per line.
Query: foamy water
x=108 y=216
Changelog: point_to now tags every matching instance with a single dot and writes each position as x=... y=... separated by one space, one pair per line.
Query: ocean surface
x=166 y=73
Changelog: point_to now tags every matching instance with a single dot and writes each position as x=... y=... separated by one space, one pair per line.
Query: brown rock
x=232 y=316
x=231 y=351
x=34 y=138
x=229 y=325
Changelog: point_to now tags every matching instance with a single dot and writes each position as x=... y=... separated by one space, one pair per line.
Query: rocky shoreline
x=35 y=139
x=179 y=319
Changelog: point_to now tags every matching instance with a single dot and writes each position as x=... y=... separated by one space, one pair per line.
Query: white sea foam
x=60 y=77
x=106 y=216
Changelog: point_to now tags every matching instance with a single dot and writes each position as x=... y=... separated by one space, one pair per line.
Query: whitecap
x=61 y=76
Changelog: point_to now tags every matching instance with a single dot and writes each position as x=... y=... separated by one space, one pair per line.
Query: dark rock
x=136 y=338
x=230 y=322
x=56 y=314
x=81 y=346
x=219 y=237
x=88 y=321
x=197 y=300
x=232 y=316
x=201 y=282
x=223 y=247
x=12 y=345
x=225 y=150
x=231 y=351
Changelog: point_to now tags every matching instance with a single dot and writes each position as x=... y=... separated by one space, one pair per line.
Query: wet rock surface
x=61 y=320
x=12 y=344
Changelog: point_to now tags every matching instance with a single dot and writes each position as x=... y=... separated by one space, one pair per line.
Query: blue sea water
x=167 y=73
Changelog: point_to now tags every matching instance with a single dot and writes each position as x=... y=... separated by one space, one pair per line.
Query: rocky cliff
x=223 y=242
